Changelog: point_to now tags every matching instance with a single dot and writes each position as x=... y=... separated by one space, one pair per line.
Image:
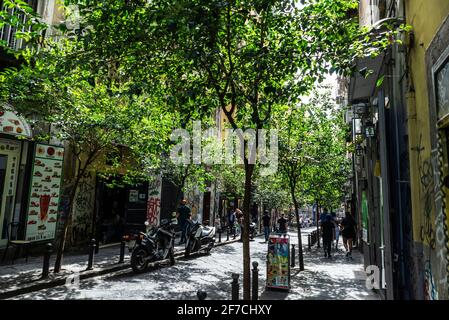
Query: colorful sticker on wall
x=45 y=191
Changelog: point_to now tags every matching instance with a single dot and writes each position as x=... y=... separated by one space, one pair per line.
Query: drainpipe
x=386 y=198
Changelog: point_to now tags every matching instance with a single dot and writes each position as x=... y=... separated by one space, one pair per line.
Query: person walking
x=266 y=219
x=337 y=230
x=348 y=232
x=327 y=231
x=282 y=222
x=183 y=214
x=231 y=221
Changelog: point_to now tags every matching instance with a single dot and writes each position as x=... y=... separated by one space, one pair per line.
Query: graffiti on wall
x=154 y=201
x=83 y=211
x=434 y=225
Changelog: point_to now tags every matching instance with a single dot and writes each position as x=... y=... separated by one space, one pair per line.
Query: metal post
x=293 y=256
x=122 y=251
x=91 y=254
x=202 y=295
x=309 y=242
x=235 y=286
x=255 y=293
x=46 y=266
x=227 y=234
x=219 y=235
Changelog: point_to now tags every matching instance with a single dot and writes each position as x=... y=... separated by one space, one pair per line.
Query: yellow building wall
x=426 y=17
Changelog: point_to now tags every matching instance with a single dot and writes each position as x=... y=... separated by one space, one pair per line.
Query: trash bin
x=278 y=262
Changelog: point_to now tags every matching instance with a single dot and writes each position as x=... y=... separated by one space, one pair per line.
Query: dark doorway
x=111 y=214
x=206 y=208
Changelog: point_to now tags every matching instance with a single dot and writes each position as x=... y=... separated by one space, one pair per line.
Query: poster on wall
x=45 y=192
x=278 y=262
x=154 y=201
x=364 y=217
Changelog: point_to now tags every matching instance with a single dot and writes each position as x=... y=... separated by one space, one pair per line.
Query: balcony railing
x=8 y=32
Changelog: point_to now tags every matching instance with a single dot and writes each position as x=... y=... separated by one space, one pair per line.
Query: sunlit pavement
x=335 y=279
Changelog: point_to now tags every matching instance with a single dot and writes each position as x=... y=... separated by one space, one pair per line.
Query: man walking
x=183 y=214
x=266 y=224
x=282 y=224
x=327 y=231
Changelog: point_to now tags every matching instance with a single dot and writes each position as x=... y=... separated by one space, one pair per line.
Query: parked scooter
x=156 y=244
x=252 y=230
x=199 y=238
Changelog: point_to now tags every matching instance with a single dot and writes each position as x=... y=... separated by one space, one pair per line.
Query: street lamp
x=370 y=130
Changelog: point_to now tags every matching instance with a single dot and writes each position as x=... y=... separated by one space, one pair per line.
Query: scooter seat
x=207 y=231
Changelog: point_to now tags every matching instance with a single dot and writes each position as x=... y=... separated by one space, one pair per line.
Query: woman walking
x=348 y=232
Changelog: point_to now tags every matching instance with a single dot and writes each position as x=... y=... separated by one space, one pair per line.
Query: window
x=442 y=89
x=7 y=32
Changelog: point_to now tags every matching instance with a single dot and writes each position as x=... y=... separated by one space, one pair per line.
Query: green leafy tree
x=245 y=57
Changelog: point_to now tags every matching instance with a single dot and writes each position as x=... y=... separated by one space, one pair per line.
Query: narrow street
x=335 y=279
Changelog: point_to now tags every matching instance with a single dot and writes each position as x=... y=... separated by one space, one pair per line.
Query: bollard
x=46 y=266
x=122 y=250
x=309 y=243
x=255 y=293
x=235 y=286
x=92 y=246
x=202 y=295
x=219 y=235
x=227 y=234
x=293 y=256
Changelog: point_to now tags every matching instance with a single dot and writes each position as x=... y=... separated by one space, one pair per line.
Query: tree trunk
x=300 y=253
x=317 y=223
x=295 y=202
x=249 y=168
x=62 y=241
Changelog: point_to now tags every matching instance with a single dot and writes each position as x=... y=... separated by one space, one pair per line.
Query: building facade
x=399 y=128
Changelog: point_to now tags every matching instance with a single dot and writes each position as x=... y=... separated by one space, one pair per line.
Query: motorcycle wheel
x=188 y=248
x=209 y=248
x=172 y=256
x=138 y=263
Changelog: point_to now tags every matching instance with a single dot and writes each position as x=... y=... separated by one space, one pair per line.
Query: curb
x=41 y=284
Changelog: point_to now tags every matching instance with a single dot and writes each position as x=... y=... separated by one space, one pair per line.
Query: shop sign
x=13 y=124
x=45 y=187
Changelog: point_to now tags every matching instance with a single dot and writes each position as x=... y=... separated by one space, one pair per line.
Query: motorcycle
x=199 y=238
x=154 y=245
x=252 y=230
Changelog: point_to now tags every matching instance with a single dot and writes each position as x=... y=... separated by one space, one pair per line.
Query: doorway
x=9 y=156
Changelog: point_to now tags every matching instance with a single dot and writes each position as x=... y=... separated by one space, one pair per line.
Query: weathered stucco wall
x=426 y=17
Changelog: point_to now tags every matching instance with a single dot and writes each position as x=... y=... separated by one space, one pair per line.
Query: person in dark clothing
x=266 y=218
x=348 y=231
x=282 y=224
x=327 y=231
x=183 y=214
